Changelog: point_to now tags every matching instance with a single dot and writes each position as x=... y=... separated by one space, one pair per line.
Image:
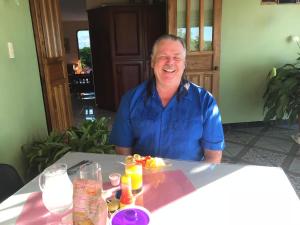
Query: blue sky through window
x=208 y=30
x=83 y=37
x=208 y=33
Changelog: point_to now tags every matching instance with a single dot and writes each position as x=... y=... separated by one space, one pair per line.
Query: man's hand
x=212 y=156
x=123 y=150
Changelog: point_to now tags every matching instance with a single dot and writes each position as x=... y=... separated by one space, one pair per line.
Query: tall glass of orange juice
x=135 y=171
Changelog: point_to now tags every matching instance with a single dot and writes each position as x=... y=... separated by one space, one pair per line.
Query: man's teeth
x=169 y=70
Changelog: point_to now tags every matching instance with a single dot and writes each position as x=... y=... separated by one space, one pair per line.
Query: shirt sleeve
x=213 y=135
x=121 y=134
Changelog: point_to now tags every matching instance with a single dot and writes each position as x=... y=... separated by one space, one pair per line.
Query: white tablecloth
x=226 y=194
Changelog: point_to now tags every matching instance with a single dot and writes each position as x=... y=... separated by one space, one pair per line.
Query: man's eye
x=177 y=58
x=163 y=57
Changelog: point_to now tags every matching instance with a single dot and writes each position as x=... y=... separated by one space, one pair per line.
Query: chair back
x=81 y=83
x=10 y=181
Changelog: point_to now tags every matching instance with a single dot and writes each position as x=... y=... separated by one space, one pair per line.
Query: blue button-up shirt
x=189 y=123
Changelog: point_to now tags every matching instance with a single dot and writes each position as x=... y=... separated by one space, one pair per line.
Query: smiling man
x=168 y=116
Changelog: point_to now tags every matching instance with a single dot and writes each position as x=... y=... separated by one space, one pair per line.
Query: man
x=168 y=116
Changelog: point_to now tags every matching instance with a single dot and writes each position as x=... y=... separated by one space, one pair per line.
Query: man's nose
x=170 y=60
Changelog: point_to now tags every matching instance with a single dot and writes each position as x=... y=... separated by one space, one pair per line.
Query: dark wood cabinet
x=127 y=75
x=121 y=43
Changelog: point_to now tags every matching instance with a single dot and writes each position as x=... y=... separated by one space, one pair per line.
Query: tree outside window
x=84 y=49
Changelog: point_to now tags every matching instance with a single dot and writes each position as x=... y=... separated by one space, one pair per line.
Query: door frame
x=214 y=72
x=46 y=23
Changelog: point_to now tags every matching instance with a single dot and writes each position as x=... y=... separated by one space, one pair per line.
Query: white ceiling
x=73 y=10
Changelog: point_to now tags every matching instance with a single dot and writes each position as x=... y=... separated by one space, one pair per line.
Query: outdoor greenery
x=85 y=56
x=194 y=40
x=90 y=136
x=282 y=95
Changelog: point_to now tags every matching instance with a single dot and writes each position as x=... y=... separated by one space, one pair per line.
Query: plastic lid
x=131 y=216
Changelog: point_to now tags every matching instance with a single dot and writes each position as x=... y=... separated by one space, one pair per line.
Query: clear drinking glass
x=135 y=171
x=91 y=171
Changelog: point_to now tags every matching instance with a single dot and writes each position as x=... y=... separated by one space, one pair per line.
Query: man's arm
x=212 y=156
x=123 y=150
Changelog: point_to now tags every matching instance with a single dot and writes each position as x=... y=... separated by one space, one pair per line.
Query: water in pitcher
x=57 y=188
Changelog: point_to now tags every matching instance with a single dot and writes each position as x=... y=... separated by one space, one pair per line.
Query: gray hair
x=167 y=37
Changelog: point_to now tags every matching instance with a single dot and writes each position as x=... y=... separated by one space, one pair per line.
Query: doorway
x=77 y=20
x=75 y=31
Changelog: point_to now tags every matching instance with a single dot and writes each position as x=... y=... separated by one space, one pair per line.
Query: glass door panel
x=195 y=26
x=181 y=19
x=198 y=22
x=208 y=25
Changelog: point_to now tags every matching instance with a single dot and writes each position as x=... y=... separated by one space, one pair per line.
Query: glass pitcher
x=57 y=188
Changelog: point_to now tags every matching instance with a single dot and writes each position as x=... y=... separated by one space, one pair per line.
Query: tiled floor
x=266 y=145
x=87 y=110
x=247 y=143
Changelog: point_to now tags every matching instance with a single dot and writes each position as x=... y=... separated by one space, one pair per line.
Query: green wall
x=254 y=39
x=22 y=115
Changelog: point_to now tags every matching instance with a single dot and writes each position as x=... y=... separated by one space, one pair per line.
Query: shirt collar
x=182 y=93
x=184 y=90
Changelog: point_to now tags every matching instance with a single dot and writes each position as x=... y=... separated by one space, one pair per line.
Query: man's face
x=168 y=63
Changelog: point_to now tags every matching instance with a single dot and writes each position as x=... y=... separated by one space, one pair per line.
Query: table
x=224 y=194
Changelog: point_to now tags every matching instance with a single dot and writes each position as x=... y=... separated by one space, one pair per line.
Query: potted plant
x=42 y=153
x=282 y=95
x=89 y=136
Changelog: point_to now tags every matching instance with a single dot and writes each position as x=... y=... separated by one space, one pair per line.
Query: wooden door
x=46 y=21
x=121 y=42
x=100 y=37
x=134 y=31
x=127 y=33
x=128 y=49
x=198 y=22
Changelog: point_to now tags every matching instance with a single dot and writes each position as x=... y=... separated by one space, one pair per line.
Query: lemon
x=136 y=156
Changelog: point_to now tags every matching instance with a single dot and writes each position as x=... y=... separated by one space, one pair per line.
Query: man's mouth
x=169 y=70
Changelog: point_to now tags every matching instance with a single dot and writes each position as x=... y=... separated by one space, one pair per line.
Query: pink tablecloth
x=35 y=213
x=162 y=188
x=159 y=189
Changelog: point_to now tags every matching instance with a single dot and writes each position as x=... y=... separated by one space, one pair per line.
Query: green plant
x=85 y=56
x=42 y=153
x=89 y=136
x=282 y=95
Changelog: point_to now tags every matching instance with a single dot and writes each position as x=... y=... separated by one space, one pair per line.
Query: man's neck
x=166 y=93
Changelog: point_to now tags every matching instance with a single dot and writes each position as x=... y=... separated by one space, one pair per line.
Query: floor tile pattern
x=266 y=144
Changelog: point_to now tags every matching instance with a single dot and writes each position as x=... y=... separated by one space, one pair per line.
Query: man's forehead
x=161 y=53
x=170 y=48
x=167 y=43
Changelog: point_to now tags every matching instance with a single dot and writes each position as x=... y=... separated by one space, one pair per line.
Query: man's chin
x=169 y=82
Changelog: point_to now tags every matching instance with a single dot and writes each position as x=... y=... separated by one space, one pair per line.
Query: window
x=195 y=24
x=287 y=1
x=279 y=1
x=84 y=50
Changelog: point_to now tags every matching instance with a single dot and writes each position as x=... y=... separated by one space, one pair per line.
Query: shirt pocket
x=188 y=126
x=144 y=124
